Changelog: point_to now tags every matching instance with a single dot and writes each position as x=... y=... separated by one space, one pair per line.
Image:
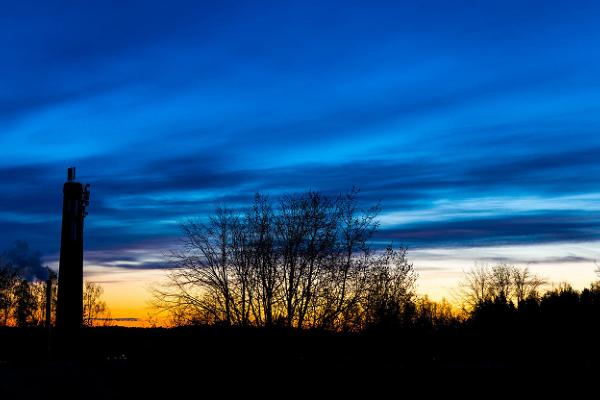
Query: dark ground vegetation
x=555 y=336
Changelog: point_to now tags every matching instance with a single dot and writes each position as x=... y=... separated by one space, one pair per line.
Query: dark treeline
x=307 y=261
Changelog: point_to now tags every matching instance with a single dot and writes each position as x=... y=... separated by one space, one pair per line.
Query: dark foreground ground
x=192 y=362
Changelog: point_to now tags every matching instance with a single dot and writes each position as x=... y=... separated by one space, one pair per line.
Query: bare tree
x=37 y=289
x=503 y=281
x=22 y=302
x=303 y=261
x=306 y=232
x=440 y=313
x=94 y=308
x=9 y=279
x=352 y=256
x=526 y=285
x=25 y=304
x=390 y=288
x=475 y=286
x=263 y=257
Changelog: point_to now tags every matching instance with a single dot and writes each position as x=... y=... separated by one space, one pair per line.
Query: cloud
x=27 y=261
x=505 y=229
x=469 y=130
x=543 y=260
x=453 y=202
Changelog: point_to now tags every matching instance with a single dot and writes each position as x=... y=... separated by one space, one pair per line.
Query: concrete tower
x=69 y=309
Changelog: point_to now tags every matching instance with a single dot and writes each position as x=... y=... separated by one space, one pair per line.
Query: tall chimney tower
x=69 y=309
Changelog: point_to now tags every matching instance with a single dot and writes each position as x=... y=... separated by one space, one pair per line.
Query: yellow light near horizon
x=127 y=291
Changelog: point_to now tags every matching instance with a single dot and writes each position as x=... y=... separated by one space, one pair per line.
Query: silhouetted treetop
x=304 y=260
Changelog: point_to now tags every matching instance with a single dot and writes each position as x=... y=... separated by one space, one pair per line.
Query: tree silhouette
x=94 y=308
x=301 y=261
x=502 y=282
x=9 y=278
x=25 y=304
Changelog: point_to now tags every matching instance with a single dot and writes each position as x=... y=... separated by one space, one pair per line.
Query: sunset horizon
x=196 y=191
x=469 y=134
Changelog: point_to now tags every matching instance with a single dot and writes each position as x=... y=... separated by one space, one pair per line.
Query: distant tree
x=496 y=313
x=475 y=286
x=94 y=308
x=502 y=282
x=26 y=304
x=21 y=292
x=37 y=289
x=9 y=278
x=525 y=284
x=430 y=313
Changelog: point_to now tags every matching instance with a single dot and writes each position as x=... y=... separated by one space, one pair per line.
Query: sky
x=475 y=124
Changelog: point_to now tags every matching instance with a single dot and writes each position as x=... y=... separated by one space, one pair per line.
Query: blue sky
x=474 y=123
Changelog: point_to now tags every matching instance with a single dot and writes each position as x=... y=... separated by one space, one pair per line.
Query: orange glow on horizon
x=127 y=291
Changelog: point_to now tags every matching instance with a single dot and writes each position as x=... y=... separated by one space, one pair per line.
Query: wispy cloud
x=474 y=126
